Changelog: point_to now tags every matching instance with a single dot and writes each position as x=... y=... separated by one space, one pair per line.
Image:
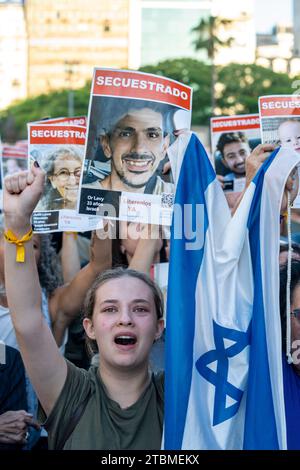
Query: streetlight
x=69 y=68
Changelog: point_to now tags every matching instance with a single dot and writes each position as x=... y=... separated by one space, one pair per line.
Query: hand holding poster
x=280 y=124
x=131 y=124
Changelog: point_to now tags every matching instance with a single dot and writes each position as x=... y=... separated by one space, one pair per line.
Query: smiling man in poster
x=135 y=137
x=133 y=119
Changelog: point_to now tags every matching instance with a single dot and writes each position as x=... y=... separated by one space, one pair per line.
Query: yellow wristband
x=74 y=234
x=10 y=237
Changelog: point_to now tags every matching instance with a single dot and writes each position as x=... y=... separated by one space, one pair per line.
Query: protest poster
x=66 y=121
x=233 y=138
x=14 y=158
x=59 y=151
x=132 y=121
x=280 y=123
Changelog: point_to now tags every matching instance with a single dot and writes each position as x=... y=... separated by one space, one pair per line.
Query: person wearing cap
x=135 y=138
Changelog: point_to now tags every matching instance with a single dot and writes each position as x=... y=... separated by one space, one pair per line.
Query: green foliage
x=240 y=85
x=238 y=89
x=14 y=119
x=243 y=84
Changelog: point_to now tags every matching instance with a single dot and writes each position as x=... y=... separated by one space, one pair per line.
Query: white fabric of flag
x=223 y=348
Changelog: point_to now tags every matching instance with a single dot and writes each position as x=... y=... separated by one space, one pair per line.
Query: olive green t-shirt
x=104 y=425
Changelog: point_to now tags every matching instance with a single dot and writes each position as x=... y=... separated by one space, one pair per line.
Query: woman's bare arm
x=45 y=366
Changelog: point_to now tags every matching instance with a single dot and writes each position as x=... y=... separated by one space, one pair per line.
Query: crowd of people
x=115 y=399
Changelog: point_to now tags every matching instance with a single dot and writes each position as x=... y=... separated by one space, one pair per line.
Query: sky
x=269 y=12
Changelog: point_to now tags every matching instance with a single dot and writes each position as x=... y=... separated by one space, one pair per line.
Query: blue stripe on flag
x=260 y=425
x=195 y=176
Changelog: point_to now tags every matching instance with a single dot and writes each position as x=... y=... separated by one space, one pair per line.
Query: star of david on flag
x=219 y=378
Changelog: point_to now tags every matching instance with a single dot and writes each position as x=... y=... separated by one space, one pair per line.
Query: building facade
x=13 y=52
x=296 y=27
x=241 y=30
x=55 y=44
x=68 y=38
x=275 y=50
x=162 y=29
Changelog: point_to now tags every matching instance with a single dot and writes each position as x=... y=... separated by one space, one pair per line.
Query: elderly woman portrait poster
x=63 y=169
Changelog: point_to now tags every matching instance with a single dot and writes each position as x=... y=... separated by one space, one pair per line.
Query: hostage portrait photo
x=282 y=131
x=62 y=164
x=127 y=145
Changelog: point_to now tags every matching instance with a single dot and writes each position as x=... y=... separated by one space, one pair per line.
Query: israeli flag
x=223 y=353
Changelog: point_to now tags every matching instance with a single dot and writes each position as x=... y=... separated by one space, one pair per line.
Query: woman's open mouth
x=125 y=341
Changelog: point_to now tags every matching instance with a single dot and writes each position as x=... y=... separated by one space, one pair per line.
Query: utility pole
x=69 y=68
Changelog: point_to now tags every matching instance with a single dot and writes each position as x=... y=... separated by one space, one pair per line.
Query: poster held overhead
x=132 y=122
x=280 y=124
x=59 y=151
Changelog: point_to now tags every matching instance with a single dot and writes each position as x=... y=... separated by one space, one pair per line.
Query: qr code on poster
x=167 y=200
